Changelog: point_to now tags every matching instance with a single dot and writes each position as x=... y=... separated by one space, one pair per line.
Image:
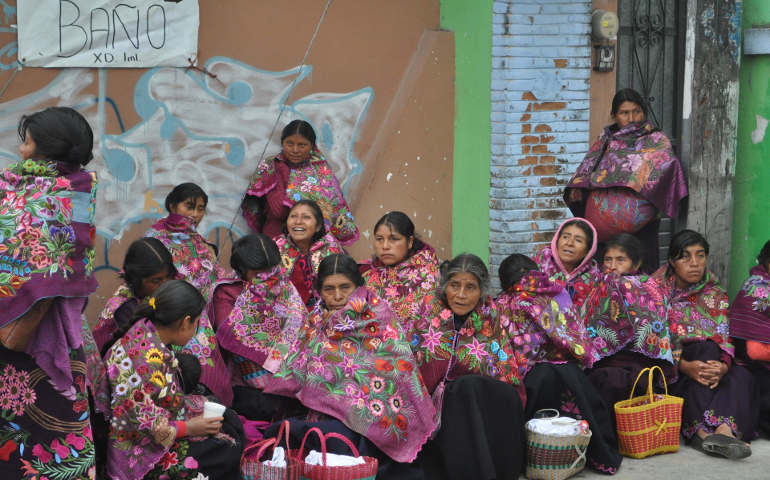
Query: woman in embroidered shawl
x=156 y=431
x=303 y=245
x=257 y=318
x=750 y=329
x=47 y=233
x=551 y=345
x=470 y=369
x=298 y=172
x=404 y=268
x=719 y=400
x=196 y=261
x=628 y=178
x=569 y=261
x=352 y=362
x=625 y=316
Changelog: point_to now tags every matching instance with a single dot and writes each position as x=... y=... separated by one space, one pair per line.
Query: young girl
x=304 y=243
x=298 y=172
x=404 y=269
x=156 y=429
x=47 y=202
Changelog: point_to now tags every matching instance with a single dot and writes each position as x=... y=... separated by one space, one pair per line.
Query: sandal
x=725 y=446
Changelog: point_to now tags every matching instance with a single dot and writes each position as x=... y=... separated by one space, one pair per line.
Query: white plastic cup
x=213 y=409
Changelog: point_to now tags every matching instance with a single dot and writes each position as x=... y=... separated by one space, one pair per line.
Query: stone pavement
x=690 y=464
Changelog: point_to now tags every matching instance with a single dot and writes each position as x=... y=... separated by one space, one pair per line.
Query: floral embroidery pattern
x=404 y=285
x=357 y=366
x=628 y=311
x=696 y=313
x=105 y=324
x=579 y=287
x=70 y=457
x=750 y=311
x=709 y=423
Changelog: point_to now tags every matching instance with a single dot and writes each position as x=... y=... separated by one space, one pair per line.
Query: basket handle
x=323 y=438
x=284 y=428
x=544 y=410
x=649 y=371
x=662 y=375
x=261 y=446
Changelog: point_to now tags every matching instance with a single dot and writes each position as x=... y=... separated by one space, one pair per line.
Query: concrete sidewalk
x=690 y=464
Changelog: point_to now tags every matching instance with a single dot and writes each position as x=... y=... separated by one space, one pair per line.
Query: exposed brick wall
x=540 y=118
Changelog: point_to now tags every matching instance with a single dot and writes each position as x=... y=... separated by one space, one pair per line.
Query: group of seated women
x=412 y=359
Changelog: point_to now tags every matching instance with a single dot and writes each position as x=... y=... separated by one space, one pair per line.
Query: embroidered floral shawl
x=313 y=181
x=696 y=313
x=637 y=156
x=628 y=312
x=543 y=324
x=146 y=401
x=96 y=373
x=106 y=325
x=579 y=281
x=290 y=255
x=750 y=311
x=192 y=256
x=265 y=320
x=357 y=367
x=479 y=347
x=214 y=372
x=404 y=285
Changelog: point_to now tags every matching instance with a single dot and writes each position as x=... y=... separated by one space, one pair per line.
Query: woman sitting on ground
x=551 y=346
x=569 y=261
x=404 y=268
x=471 y=371
x=257 y=318
x=625 y=316
x=303 y=245
x=719 y=400
x=750 y=329
x=156 y=430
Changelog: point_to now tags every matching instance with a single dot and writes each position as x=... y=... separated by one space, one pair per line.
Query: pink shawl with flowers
x=696 y=313
x=193 y=257
x=543 y=324
x=147 y=400
x=356 y=366
x=628 y=312
x=637 y=156
x=579 y=281
x=284 y=185
x=265 y=320
x=750 y=311
x=404 y=285
x=106 y=325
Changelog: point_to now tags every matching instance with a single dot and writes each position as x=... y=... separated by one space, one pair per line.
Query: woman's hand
x=694 y=369
x=200 y=427
x=713 y=372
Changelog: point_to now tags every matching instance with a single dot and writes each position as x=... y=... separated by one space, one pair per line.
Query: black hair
x=339 y=263
x=61 y=134
x=628 y=244
x=583 y=225
x=628 y=95
x=171 y=302
x=146 y=257
x=254 y=252
x=319 y=219
x=683 y=239
x=764 y=255
x=463 y=263
x=513 y=269
x=190 y=369
x=185 y=191
x=401 y=223
x=299 y=127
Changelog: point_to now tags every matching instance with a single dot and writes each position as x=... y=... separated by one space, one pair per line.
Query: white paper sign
x=108 y=33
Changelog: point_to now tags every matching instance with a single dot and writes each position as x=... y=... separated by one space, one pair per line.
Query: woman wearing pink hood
x=569 y=261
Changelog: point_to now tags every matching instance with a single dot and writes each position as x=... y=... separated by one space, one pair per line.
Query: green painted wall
x=472 y=23
x=751 y=223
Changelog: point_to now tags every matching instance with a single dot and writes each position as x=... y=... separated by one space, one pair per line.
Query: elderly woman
x=298 y=172
x=625 y=316
x=551 y=346
x=569 y=261
x=628 y=177
x=750 y=329
x=404 y=268
x=47 y=263
x=303 y=244
x=719 y=400
x=470 y=369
